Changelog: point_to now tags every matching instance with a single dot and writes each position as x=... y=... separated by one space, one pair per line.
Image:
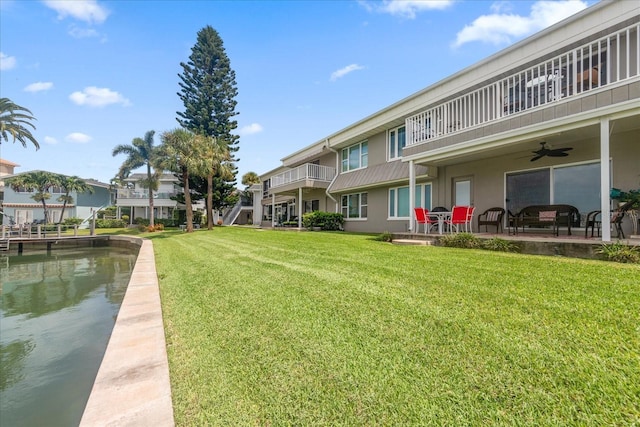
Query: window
x=399 y=200
x=397 y=141
x=354 y=206
x=576 y=185
x=311 y=205
x=23 y=216
x=355 y=157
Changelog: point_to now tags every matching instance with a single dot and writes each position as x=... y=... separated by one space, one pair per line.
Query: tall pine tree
x=208 y=91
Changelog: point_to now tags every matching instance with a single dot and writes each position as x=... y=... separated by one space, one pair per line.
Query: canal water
x=57 y=312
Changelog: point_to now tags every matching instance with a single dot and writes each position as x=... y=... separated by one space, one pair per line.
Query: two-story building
x=552 y=119
x=20 y=207
x=135 y=196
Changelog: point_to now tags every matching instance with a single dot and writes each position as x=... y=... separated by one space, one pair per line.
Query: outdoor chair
x=458 y=218
x=616 y=220
x=492 y=216
x=468 y=226
x=422 y=217
x=592 y=221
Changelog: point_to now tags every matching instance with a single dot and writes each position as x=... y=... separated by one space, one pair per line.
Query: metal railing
x=303 y=172
x=133 y=194
x=610 y=59
x=38 y=231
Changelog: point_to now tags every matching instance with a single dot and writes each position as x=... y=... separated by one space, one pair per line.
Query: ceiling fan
x=551 y=152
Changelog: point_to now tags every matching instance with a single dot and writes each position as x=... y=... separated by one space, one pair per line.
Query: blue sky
x=96 y=74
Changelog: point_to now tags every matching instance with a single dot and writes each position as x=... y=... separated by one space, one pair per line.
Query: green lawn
x=285 y=328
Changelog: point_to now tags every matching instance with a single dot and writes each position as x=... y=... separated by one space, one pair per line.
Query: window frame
x=363 y=158
x=395 y=153
x=344 y=208
x=392 y=196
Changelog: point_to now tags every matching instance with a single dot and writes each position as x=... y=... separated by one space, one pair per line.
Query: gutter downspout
x=327 y=192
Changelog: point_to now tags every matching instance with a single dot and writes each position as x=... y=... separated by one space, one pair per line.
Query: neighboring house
x=248 y=210
x=24 y=210
x=6 y=168
x=136 y=197
x=470 y=138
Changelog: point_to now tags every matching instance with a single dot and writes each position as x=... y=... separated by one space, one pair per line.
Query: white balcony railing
x=610 y=59
x=133 y=194
x=308 y=171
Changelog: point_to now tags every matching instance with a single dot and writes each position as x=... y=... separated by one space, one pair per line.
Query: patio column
x=273 y=210
x=300 y=207
x=605 y=185
x=412 y=195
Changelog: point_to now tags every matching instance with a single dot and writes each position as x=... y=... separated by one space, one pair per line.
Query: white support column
x=605 y=185
x=300 y=207
x=273 y=210
x=412 y=195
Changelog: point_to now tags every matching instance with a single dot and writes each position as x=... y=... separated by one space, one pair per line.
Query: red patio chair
x=469 y=224
x=458 y=218
x=422 y=217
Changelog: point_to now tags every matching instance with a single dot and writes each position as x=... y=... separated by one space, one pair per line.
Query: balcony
x=124 y=193
x=610 y=59
x=303 y=174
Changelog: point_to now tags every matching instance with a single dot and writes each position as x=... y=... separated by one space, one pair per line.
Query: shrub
x=159 y=227
x=619 y=252
x=461 y=240
x=384 y=237
x=72 y=221
x=110 y=223
x=220 y=222
x=125 y=218
x=141 y=221
x=499 y=245
x=325 y=220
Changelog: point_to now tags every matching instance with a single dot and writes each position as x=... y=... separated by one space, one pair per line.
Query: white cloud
x=7 y=62
x=501 y=28
x=98 y=97
x=251 y=129
x=405 y=8
x=78 y=138
x=38 y=87
x=88 y=10
x=50 y=140
x=344 y=71
x=82 y=33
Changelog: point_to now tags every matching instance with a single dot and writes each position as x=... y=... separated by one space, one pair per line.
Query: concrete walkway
x=132 y=387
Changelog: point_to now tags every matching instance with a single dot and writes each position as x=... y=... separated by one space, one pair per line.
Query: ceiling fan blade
x=538 y=157
x=557 y=154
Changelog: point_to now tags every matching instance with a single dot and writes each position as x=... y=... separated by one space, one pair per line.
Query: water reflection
x=56 y=316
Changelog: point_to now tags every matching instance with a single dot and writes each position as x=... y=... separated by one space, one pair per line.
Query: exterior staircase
x=231 y=215
x=4 y=245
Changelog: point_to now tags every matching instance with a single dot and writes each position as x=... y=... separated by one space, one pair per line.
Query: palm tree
x=218 y=164
x=250 y=178
x=13 y=121
x=71 y=184
x=184 y=153
x=140 y=153
x=38 y=182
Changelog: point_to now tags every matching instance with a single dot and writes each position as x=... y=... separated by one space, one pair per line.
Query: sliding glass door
x=576 y=185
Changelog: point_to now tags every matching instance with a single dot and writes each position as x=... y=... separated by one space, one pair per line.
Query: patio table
x=442 y=217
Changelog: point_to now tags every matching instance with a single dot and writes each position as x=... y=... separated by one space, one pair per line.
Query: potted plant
x=625 y=197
